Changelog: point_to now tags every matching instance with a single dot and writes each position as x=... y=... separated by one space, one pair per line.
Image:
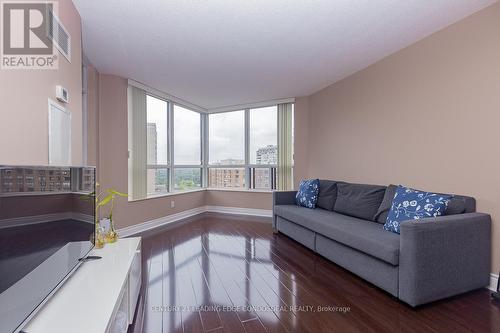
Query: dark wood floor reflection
x=221 y=274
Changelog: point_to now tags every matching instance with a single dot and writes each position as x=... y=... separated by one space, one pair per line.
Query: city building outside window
x=263 y=145
x=226 y=143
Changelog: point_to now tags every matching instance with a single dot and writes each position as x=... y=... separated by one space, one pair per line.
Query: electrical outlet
x=172 y=204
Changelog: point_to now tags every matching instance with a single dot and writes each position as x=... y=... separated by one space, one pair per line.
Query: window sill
x=172 y=194
x=169 y=194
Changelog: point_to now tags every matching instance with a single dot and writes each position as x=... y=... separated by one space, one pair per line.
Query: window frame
x=157 y=166
x=247 y=166
x=171 y=166
x=172 y=151
x=205 y=165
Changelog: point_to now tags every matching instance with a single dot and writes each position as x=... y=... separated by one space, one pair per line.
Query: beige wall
x=255 y=200
x=427 y=117
x=24 y=108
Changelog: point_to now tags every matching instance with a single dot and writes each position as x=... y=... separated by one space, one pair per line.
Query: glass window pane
x=157 y=181
x=262 y=178
x=187 y=136
x=157 y=129
x=226 y=177
x=187 y=179
x=264 y=135
x=227 y=138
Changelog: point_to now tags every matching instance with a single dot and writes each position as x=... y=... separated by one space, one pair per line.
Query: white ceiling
x=216 y=53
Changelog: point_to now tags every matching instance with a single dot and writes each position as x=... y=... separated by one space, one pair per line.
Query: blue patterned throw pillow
x=410 y=204
x=307 y=195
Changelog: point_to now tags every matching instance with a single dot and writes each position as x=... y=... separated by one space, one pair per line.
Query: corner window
x=173 y=148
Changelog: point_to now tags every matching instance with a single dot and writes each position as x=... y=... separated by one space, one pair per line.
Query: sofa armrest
x=282 y=198
x=444 y=256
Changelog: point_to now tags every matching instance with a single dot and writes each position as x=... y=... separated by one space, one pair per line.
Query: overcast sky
x=157 y=113
x=187 y=136
x=226 y=133
x=263 y=129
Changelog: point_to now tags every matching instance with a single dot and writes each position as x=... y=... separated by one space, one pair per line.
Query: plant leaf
x=115 y=192
x=105 y=200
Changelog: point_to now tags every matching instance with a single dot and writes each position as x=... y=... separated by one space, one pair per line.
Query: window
x=157 y=175
x=263 y=145
x=187 y=179
x=176 y=147
x=227 y=138
x=264 y=136
x=187 y=136
x=187 y=149
x=262 y=178
x=227 y=177
x=227 y=150
x=243 y=149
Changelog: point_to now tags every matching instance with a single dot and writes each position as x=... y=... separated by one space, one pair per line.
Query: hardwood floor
x=226 y=274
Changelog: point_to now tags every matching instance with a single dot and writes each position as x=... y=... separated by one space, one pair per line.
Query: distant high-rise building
x=267 y=155
x=227 y=177
x=45 y=179
x=261 y=178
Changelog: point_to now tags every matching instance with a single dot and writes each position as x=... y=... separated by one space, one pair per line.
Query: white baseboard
x=159 y=222
x=175 y=218
x=239 y=211
x=493 y=282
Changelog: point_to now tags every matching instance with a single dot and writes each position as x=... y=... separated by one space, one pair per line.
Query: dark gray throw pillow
x=455 y=206
x=460 y=205
x=359 y=200
x=386 y=204
x=327 y=194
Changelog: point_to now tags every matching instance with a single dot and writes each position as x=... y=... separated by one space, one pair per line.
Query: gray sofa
x=429 y=260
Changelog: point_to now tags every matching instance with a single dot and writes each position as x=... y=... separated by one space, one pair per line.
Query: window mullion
x=170 y=144
x=247 y=149
x=204 y=150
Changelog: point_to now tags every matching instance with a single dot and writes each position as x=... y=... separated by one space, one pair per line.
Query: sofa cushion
x=364 y=236
x=307 y=195
x=409 y=204
x=386 y=204
x=359 y=200
x=327 y=194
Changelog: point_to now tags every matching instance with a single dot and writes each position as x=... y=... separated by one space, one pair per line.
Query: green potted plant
x=103 y=198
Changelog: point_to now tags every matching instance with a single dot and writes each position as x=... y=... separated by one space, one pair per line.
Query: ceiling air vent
x=59 y=35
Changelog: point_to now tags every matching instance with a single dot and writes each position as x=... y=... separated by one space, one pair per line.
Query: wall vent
x=59 y=35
